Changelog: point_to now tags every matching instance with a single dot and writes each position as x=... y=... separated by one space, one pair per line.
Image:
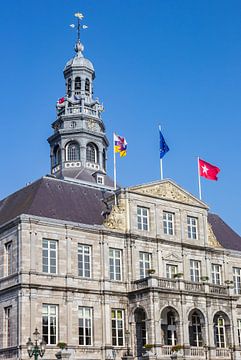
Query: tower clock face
x=91 y=124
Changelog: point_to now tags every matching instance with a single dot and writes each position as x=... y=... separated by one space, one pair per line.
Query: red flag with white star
x=208 y=170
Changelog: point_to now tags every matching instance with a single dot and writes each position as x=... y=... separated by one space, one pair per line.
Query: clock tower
x=78 y=146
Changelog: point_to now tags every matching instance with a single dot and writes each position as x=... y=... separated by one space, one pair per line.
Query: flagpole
x=199 y=179
x=115 y=186
x=161 y=165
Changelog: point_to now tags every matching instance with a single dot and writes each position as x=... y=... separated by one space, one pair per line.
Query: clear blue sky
x=177 y=63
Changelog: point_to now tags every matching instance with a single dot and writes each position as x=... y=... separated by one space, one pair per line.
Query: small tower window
x=73 y=152
x=91 y=153
x=77 y=84
x=87 y=86
x=69 y=86
x=104 y=160
x=57 y=155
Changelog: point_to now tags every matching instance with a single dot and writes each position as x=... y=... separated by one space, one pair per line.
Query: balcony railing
x=223 y=353
x=195 y=352
x=82 y=110
x=167 y=283
x=191 y=286
x=218 y=289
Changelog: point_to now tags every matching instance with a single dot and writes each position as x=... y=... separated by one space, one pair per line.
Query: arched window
x=57 y=155
x=195 y=330
x=87 y=86
x=140 y=320
x=220 y=332
x=171 y=328
x=91 y=153
x=69 y=85
x=73 y=151
x=77 y=84
x=104 y=160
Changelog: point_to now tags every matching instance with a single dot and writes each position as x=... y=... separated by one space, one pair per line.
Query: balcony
x=172 y=285
x=81 y=110
x=196 y=352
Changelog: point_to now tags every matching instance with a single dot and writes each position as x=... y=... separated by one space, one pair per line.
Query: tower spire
x=78 y=46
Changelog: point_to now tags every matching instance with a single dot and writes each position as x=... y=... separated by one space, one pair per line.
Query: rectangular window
x=84 y=260
x=50 y=323
x=216 y=274
x=49 y=256
x=237 y=280
x=171 y=270
x=85 y=326
x=168 y=223
x=239 y=331
x=115 y=264
x=9 y=258
x=117 y=320
x=145 y=264
x=142 y=218
x=192 y=227
x=8 y=325
x=195 y=270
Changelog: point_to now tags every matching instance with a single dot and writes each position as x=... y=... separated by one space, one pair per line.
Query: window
x=196 y=330
x=69 y=87
x=168 y=223
x=145 y=264
x=171 y=328
x=84 y=260
x=8 y=325
x=91 y=153
x=85 y=325
x=73 y=152
x=171 y=270
x=237 y=280
x=57 y=155
x=220 y=336
x=239 y=331
x=9 y=258
x=49 y=256
x=77 y=85
x=192 y=227
x=216 y=274
x=87 y=86
x=100 y=180
x=104 y=160
x=142 y=218
x=115 y=264
x=117 y=320
x=195 y=270
x=50 y=323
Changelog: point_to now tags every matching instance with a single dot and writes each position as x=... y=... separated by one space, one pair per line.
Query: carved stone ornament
x=212 y=240
x=91 y=124
x=117 y=218
x=168 y=191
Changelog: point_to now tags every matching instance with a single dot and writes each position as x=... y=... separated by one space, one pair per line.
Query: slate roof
x=58 y=199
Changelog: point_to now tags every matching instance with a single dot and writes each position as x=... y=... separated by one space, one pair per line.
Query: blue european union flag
x=163 y=145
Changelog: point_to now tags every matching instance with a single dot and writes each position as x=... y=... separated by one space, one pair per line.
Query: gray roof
x=64 y=200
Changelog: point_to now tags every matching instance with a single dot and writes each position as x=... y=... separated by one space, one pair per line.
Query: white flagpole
x=115 y=186
x=199 y=180
x=161 y=167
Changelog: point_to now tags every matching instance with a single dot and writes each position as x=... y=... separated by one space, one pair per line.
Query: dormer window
x=69 y=86
x=73 y=151
x=100 y=180
x=77 y=85
x=92 y=153
x=87 y=86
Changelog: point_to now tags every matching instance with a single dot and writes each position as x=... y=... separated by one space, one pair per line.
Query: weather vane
x=79 y=17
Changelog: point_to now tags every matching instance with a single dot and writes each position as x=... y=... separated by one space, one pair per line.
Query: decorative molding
x=168 y=191
x=117 y=218
x=212 y=240
x=172 y=257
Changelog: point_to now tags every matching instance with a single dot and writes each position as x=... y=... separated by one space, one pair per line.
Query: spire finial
x=78 y=46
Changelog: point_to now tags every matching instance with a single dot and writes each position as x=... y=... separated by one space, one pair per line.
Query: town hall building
x=153 y=276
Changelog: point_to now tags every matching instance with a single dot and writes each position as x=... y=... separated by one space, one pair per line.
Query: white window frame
x=8 y=326
x=85 y=314
x=197 y=330
x=237 y=280
x=9 y=258
x=100 y=180
x=115 y=264
x=118 y=329
x=192 y=227
x=195 y=270
x=171 y=270
x=51 y=317
x=142 y=218
x=168 y=223
x=218 y=334
x=51 y=249
x=145 y=263
x=216 y=274
x=239 y=330
x=84 y=260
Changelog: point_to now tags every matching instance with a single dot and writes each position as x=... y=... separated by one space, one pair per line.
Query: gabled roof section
x=167 y=190
x=56 y=199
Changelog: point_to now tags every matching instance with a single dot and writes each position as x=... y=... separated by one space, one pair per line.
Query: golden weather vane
x=79 y=17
